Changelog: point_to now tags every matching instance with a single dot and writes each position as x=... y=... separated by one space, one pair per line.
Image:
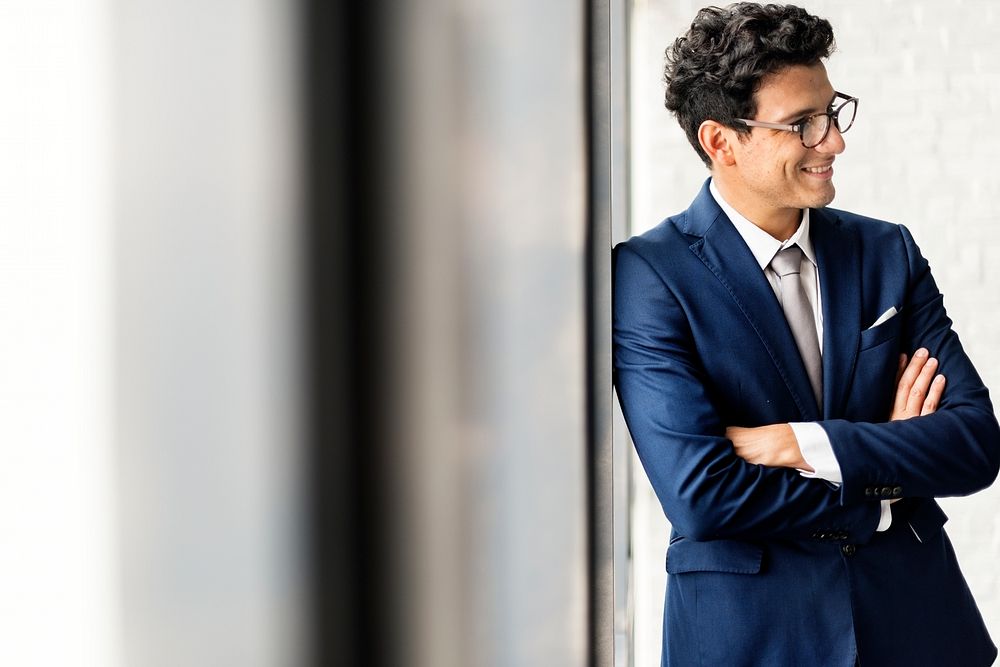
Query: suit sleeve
x=706 y=491
x=956 y=450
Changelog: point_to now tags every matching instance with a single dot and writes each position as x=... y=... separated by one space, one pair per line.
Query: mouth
x=823 y=172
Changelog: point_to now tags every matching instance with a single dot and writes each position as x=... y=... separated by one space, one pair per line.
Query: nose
x=833 y=143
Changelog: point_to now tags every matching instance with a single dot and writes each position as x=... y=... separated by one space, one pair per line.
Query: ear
x=715 y=140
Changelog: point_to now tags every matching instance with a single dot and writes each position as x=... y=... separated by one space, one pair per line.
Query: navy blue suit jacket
x=767 y=567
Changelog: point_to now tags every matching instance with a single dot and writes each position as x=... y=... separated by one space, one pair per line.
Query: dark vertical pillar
x=342 y=348
x=609 y=461
x=598 y=275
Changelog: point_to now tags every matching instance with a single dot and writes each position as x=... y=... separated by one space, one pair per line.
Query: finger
x=742 y=445
x=735 y=434
x=902 y=366
x=907 y=379
x=909 y=376
x=918 y=392
x=933 y=399
x=899 y=400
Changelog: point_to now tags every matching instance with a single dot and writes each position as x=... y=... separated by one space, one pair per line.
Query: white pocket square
x=884 y=317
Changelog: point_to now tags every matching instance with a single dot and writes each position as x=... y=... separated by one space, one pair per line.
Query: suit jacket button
x=848 y=549
x=897 y=492
x=886 y=491
x=869 y=490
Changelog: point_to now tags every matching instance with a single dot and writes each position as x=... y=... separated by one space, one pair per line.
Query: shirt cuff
x=817 y=451
x=885 y=520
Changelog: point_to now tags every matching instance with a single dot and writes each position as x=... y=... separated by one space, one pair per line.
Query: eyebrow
x=802 y=113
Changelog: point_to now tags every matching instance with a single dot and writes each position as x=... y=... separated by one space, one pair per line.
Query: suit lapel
x=725 y=253
x=838 y=255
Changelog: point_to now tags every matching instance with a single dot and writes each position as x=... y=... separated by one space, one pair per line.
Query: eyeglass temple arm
x=770 y=126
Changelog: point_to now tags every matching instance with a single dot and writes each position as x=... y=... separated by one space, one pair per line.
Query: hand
x=918 y=390
x=918 y=393
x=774 y=445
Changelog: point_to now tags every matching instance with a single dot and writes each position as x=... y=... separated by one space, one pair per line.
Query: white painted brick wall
x=923 y=152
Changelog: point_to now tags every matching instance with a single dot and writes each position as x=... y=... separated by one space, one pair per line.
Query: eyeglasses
x=813 y=129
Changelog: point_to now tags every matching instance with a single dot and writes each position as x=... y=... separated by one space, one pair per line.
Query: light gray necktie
x=799 y=314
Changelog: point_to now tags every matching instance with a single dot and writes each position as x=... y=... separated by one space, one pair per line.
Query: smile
x=823 y=173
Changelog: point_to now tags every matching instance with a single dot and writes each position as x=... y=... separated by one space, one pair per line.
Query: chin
x=822 y=199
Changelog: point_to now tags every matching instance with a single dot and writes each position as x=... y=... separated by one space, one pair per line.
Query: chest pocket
x=872 y=338
x=875 y=372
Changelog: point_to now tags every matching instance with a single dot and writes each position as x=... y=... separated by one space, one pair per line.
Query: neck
x=780 y=223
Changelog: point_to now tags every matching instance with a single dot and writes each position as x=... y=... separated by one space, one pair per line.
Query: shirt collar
x=762 y=245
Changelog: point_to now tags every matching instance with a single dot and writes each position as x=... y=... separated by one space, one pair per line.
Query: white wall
x=921 y=153
x=58 y=602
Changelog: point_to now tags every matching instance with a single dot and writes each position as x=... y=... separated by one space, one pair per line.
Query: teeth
x=818 y=170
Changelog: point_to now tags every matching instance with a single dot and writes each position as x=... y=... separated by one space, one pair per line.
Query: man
x=761 y=344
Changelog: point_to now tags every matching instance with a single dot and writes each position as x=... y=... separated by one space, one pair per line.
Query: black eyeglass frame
x=800 y=125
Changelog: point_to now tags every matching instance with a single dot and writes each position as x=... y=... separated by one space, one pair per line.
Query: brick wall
x=921 y=153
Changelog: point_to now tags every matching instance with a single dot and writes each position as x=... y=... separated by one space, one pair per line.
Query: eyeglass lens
x=817 y=127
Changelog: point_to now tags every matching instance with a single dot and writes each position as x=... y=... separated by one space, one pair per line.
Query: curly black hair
x=713 y=70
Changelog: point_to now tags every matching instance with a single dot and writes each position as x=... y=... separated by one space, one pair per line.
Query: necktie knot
x=787 y=261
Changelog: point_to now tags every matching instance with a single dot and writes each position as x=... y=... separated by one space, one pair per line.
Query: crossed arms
x=918 y=393
x=713 y=486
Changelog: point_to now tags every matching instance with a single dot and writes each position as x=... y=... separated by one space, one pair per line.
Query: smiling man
x=781 y=366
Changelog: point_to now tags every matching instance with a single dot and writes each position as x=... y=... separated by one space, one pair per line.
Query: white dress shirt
x=814 y=443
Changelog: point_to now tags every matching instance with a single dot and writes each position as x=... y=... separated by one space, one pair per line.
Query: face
x=773 y=173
